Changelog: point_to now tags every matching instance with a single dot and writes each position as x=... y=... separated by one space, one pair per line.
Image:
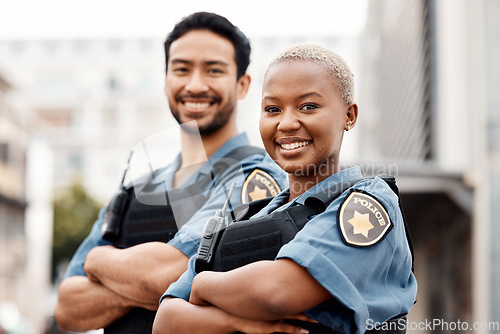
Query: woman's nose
x=289 y=122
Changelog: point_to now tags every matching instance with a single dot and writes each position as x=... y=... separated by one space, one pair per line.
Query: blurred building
x=92 y=99
x=13 y=246
x=430 y=108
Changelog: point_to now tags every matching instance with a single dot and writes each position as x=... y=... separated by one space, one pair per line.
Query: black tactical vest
x=136 y=222
x=249 y=240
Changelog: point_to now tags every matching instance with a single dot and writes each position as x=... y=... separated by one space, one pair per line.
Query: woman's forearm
x=179 y=316
x=264 y=290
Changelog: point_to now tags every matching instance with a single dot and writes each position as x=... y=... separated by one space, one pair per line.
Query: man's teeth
x=292 y=146
x=197 y=105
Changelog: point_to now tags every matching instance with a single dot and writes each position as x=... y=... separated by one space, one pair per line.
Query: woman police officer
x=349 y=267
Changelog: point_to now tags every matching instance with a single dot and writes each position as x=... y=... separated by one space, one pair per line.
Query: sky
x=61 y=19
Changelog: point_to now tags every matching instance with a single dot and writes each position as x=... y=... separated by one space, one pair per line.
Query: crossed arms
x=253 y=298
x=117 y=281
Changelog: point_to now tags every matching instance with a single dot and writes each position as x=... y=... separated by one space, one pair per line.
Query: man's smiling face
x=201 y=81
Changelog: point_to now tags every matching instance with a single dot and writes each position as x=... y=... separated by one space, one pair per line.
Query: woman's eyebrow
x=303 y=96
x=298 y=98
x=272 y=98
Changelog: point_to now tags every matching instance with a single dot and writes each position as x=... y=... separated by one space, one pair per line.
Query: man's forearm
x=84 y=305
x=141 y=273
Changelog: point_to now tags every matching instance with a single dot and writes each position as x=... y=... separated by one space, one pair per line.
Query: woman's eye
x=272 y=109
x=309 y=106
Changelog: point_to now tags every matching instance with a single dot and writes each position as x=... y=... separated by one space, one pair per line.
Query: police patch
x=362 y=220
x=259 y=185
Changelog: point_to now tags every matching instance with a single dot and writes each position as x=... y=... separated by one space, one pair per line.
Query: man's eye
x=215 y=71
x=180 y=69
x=272 y=109
x=309 y=106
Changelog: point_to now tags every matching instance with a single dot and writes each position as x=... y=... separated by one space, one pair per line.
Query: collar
x=279 y=201
x=239 y=140
x=349 y=174
x=168 y=174
x=345 y=175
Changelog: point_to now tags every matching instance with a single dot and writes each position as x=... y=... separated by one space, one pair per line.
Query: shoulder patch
x=362 y=220
x=259 y=185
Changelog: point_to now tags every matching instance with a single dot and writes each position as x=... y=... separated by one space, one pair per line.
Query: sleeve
x=187 y=239
x=182 y=287
x=372 y=283
x=94 y=239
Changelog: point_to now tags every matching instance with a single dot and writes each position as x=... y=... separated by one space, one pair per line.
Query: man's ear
x=351 y=116
x=165 y=85
x=243 y=85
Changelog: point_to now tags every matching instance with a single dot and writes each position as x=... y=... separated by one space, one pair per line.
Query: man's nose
x=196 y=83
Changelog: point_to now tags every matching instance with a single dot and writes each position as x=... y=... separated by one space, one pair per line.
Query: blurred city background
x=81 y=83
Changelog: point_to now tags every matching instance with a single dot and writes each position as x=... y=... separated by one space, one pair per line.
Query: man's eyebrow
x=179 y=61
x=206 y=63
x=216 y=62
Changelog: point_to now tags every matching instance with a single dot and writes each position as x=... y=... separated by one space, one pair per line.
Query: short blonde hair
x=332 y=62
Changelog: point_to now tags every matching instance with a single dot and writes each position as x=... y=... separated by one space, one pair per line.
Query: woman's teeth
x=292 y=146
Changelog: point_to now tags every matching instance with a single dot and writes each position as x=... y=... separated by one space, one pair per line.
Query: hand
x=151 y=307
x=91 y=264
x=197 y=289
x=266 y=327
x=301 y=317
x=195 y=299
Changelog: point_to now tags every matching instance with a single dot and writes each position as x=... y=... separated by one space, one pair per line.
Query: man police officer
x=115 y=283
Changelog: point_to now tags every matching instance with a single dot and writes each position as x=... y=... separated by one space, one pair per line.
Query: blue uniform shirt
x=187 y=238
x=370 y=284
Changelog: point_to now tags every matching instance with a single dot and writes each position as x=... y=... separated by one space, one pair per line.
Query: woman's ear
x=351 y=116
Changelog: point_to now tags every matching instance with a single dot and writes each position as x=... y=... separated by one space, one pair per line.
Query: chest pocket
x=254 y=240
x=149 y=218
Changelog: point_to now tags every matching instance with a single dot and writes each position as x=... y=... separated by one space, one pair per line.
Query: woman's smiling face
x=303 y=118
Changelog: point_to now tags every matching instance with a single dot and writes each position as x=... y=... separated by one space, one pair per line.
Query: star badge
x=362 y=220
x=259 y=185
x=361 y=223
x=257 y=193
